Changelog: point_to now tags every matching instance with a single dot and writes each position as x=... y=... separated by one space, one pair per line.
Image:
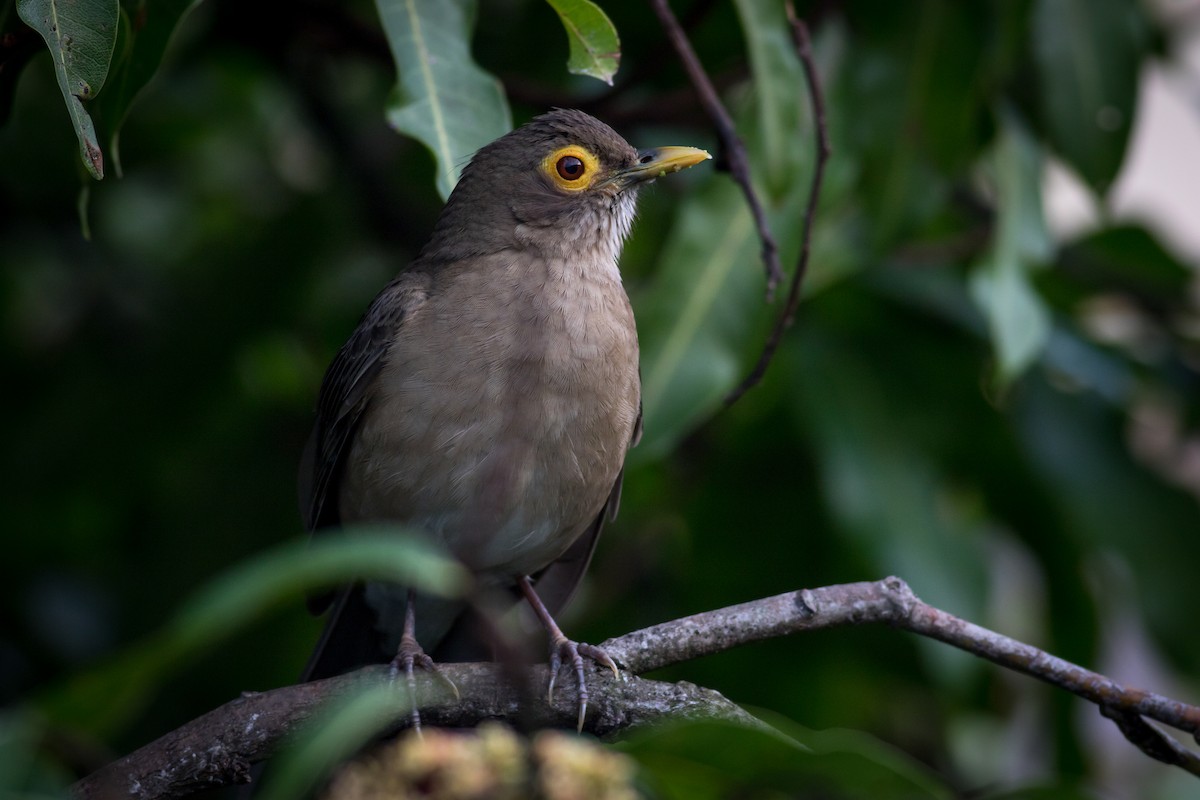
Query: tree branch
x=731 y=144
x=219 y=747
x=803 y=44
x=891 y=601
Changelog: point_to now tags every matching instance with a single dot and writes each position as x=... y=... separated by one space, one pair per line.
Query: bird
x=488 y=396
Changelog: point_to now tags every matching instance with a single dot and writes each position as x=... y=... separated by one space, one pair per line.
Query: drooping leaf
x=81 y=35
x=255 y=586
x=146 y=30
x=442 y=98
x=1088 y=55
x=104 y=697
x=1017 y=317
x=595 y=46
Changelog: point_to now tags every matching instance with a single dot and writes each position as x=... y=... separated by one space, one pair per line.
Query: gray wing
x=344 y=397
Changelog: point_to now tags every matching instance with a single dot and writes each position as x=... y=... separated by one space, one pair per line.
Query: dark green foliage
x=998 y=415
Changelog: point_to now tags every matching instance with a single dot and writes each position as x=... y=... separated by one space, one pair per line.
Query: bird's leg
x=410 y=655
x=562 y=648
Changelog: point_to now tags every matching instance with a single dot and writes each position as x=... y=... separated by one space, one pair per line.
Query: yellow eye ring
x=571 y=168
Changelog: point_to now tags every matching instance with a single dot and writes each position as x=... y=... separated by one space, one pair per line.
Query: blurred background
x=992 y=388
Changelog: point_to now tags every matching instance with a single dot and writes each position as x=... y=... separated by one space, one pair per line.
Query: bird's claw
x=408 y=657
x=563 y=650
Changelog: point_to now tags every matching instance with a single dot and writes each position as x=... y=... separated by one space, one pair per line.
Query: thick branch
x=219 y=747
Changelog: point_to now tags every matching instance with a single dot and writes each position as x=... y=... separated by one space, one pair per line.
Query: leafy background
x=1004 y=416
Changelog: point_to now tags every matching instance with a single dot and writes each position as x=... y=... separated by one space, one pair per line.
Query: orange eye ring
x=571 y=168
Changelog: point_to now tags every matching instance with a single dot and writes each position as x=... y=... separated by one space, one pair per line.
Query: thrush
x=489 y=394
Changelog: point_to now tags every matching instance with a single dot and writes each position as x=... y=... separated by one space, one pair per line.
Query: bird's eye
x=570 y=168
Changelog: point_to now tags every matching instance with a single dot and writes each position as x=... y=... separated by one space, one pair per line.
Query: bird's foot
x=410 y=656
x=564 y=651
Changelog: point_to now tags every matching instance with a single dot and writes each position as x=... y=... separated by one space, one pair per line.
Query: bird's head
x=563 y=183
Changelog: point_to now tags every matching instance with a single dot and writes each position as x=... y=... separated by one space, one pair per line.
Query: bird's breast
x=504 y=412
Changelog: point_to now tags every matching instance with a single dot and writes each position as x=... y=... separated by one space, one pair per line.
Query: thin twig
x=891 y=601
x=1151 y=741
x=803 y=44
x=731 y=143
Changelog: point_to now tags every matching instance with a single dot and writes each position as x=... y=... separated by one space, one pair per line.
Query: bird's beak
x=658 y=163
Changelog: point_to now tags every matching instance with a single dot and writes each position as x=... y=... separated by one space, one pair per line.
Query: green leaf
x=595 y=46
x=442 y=99
x=1017 y=317
x=781 y=94
x=250 y=589
x=1088 y=55
x=1078 y=445
x=145 y=32
x=26 y=769
x=698 y=760
x=333 y=735
x=912 y=100
x=103 y=698
x=693 y=319
x=1131 y=258
x=702 y=319
x=19 y=48
x=883 y=487
x=81 y=35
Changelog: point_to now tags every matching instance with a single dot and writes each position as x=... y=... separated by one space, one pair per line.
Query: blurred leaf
x=781 y=92
x=1115 y=505
x=81 y=36
x=146 y=31
x=879 y=479
x=442 y=99
x=104 y=697
x=1020 y=325
x=914 y=104
x=372 y=553
x=1130 y=258
x=1052 y=792
x=702 y=318
x=333 y=735
x=24 y=772
x=1017 y=317
x=1088 y=55
x=700 y=760
x=20 y=46
x=692 y=319
x=595 y=46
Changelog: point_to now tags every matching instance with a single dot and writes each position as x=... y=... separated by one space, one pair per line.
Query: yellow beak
x=660 y=162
